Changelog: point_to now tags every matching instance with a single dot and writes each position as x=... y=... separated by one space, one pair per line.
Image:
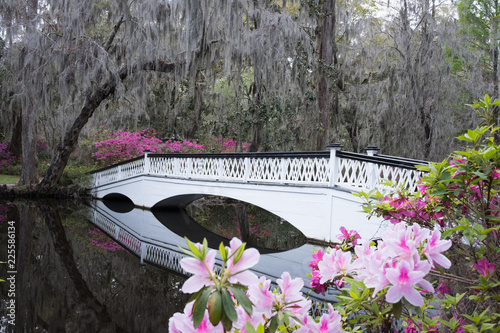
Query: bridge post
x=143 y=253
x=146 y=162
x=334 y=162
x=246 y=172
x=371 y=171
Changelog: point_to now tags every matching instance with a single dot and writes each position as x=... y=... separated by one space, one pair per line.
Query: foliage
x=4 y=209
x=125 y=145
x=386 y=283
x=225 y=304
x=460 y=197
x=6 y=157
x=121 y=145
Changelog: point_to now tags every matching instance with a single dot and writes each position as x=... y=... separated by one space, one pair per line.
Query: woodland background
x=280 y=74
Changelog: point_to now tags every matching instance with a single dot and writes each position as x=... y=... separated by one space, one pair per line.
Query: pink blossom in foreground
x=202 y=272
x=182 y=323
x=434 y=249
x=398 y=264
x=238 y=272
x=334 y=264
x=328 y=323
x=403 y=278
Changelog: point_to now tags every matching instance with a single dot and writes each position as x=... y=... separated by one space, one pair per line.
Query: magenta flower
x=349 y=235
x=484 y=267
x=443 y=289
x=403 y=279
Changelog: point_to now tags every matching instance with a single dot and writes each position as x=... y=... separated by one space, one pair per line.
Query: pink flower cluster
x=398 y=264
x=402 y=209
x=101 y=240
x=266 y=302
x=185 y=146
x=6 y=157
x=125 y=145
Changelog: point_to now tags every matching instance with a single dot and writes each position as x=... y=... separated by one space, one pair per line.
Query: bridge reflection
x=155 y=237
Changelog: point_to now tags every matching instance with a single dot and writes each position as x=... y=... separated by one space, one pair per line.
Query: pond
x=110 y=267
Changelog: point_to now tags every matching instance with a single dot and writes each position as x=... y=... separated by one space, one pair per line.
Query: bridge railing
x=334 y=168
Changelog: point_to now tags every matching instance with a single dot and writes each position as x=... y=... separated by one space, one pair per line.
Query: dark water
x=68 y=273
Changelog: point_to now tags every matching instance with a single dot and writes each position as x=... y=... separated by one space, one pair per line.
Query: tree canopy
x=281 y=74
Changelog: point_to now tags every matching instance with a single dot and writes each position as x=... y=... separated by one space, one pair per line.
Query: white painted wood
x=300 y=190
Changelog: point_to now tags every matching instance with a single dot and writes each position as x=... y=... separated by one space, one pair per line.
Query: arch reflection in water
x=143 y=234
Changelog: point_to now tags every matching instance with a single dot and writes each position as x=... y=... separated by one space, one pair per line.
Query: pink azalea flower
x=443 y=289
x=334 y=264
x=261 y=296
x=349 y=235
x=328 y=323
x=403 y=279
x=434 y=248
x=291 y=293
x=317 y=257
x=182 y=323
x=202 y=272
x=484 y=267
x=239 y=271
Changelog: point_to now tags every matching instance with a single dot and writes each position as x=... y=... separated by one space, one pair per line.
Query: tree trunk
x=16 y=139
x=94 y=97
x=29 y=171
x=325 y=61
x=198 y=105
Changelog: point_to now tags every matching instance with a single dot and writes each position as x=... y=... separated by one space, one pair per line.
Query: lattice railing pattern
x=129 y=241
x=119 y=172
x=365 y=176
x=105 y=224
x=164 y=257
x=350 y=173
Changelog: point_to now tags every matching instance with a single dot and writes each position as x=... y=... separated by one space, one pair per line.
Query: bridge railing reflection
x=166 y=253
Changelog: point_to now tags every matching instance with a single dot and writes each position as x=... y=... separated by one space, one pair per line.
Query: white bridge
x=310 y=190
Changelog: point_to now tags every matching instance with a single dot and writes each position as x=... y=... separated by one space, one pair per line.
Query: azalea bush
x=6 y=157
x=233 y=299
x=459 y=197
x=110 y=148
x=434 y=269
x=125 y=145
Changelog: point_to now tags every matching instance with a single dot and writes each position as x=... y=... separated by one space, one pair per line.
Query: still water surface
x=108 y=267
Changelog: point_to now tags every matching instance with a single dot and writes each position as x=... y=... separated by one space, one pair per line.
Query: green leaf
x=197 y=294
x=194 y=249
x=215 y=307
x=249 y=328
x=242 y=298
x=223 y=252
x=228 y=304
x=397 y=309
x=199 y=307
x=226 y=322
x=273 y=325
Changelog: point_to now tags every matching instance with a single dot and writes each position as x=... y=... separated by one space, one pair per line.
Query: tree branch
x=112 y=35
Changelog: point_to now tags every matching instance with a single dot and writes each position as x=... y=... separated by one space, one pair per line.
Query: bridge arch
x=310 y=190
